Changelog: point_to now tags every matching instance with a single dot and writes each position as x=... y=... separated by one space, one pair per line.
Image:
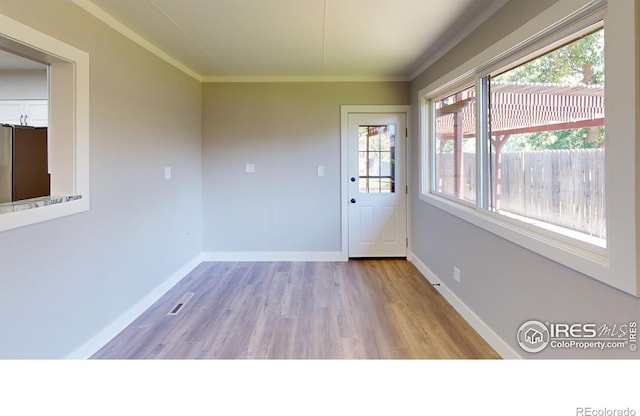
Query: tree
x=555 y=140
x=581 y=61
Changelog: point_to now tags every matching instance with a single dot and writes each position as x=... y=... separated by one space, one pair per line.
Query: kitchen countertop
x=35 y=203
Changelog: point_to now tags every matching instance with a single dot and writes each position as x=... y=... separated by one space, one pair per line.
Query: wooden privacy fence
x=561 y=187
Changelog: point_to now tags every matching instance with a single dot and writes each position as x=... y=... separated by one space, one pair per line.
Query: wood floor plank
x=360 y=309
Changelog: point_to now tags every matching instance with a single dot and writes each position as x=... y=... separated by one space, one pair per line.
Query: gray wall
x=64 y=280
x=504 y=284
x=286 y=130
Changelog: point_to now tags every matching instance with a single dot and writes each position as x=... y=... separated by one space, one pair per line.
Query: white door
x=377 y=185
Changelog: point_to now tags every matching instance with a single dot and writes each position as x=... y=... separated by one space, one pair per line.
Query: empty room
x=320 y=179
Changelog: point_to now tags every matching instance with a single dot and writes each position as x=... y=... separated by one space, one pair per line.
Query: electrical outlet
x=167 y=173
x=456 y=274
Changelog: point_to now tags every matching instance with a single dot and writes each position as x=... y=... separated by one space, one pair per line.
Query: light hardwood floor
x=367 y=309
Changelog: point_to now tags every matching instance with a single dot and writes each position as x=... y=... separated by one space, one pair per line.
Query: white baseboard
x=90 y=347
x=273 y=256
x=497 y=343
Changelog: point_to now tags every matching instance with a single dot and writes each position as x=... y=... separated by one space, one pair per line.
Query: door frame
x=345 y=110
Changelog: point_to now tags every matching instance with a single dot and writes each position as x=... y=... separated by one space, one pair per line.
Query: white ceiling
x=314 y=39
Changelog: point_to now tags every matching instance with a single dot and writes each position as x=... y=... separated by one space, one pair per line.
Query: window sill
x=36 y=203
x=31 y=211
x=578 y=237
x=578 y=255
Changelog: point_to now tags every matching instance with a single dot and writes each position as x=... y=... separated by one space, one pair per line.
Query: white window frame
x=68 y=120
x=615 y=265
x=443 y=93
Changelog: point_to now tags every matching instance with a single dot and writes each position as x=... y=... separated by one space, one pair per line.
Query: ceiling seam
x=202 y=48
x=135 y=37
x=179 y=27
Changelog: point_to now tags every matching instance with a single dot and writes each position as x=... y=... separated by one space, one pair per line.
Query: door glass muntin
x=376 y=158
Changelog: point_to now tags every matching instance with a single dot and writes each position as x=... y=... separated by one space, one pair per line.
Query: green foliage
x=581 y=61
x=554 y=140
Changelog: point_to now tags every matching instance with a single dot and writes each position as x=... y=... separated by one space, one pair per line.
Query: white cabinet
x=25 y=112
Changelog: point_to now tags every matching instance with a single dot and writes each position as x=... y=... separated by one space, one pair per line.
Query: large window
x=544 y=180
x=541 y=126
x=546 y=120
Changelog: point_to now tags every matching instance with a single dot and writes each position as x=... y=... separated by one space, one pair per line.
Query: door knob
x=353 y=200
x=353 y=179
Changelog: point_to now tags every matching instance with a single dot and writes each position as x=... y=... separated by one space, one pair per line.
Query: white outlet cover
x=167 y=173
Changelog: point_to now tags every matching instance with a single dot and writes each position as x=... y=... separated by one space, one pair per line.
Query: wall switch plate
x=250 y=168
x=320 y=170
x=456 y=274
x=167 y=173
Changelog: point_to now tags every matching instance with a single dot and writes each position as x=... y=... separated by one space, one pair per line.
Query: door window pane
x=376 y=161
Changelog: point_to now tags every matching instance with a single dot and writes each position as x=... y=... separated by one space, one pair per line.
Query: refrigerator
x=24 y=169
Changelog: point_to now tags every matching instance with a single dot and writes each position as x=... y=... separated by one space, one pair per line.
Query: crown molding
x=305 y=78
x=473 y=25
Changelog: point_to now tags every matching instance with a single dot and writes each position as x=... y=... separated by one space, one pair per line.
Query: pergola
x=519 y=108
